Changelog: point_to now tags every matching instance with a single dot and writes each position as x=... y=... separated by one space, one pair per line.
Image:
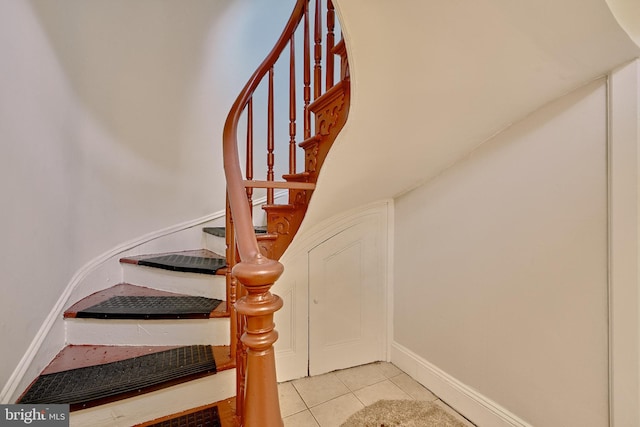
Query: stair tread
x=199 y=416
x=310 y=141
x=79 y=356
x=189 y=307
x=340 y=48
x=200 y=261
x=86 y=376
x=297 y=177
x=222 y=231
x=326 y=98
x=267 y=237
x=128 y=290
x=283 y=207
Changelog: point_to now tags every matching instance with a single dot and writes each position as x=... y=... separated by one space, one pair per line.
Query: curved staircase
x=165 y=346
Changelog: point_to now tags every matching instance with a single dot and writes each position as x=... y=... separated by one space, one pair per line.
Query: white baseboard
x=479 y=409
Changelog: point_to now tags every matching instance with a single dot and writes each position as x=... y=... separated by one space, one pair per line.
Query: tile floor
x=328 y=400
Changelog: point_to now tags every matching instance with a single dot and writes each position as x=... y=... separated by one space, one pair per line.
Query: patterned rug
x=405 y=413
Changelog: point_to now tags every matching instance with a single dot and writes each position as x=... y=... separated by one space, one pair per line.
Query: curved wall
x=111 y=119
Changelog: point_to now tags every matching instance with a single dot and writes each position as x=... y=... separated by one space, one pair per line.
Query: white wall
x=36 y=167
x=111 y=122
x=501 y=266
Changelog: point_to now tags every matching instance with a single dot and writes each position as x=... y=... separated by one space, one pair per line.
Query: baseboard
x=479 y=409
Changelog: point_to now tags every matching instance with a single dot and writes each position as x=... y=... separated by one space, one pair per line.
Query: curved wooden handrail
x=246 y=240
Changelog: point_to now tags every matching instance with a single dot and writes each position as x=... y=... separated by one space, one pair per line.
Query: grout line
x=386 y=378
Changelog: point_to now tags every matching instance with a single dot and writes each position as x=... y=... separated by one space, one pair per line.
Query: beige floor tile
x=290 y=401
x=412 y=387
x=382 y=390
x=389 y=370
x=361 y=376
x=336 y=411
x=335 y=396
x=301 y=419
x=455 y=414
x=320 y=389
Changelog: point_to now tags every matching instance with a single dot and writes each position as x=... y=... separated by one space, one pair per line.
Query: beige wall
x=111 y=117
x=501 y=266
x=434 y=79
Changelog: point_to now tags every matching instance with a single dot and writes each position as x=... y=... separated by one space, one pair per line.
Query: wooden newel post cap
x=260 y=272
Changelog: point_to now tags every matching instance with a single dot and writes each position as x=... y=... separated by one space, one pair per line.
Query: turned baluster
x=249 y=157
x=292 y=107
x=331 y=40
x=232 y=290
x=317 y=69
x=233 y=293
x=307 y=74
x=270 y=139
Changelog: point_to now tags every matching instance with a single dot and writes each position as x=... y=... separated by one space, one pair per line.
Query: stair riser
x=211 y=286
x=215 y=244
x=135 y=410
x=148 y=332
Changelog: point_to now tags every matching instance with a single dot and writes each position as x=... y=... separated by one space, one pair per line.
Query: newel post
x=261 y=403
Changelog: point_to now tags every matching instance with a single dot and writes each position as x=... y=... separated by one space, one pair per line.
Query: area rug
x=402 y=413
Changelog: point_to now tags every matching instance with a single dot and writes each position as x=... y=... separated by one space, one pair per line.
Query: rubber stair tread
x=106 y=380
x=222 y=231
x=185 y=263
x=151 y=307
x=146 y=295
x=199 y=416
x=208 y=417
x=200 y=261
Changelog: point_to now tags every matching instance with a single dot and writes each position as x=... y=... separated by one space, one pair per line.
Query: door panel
x=347 y=312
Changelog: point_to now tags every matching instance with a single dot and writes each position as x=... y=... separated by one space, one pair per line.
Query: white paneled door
x=347 y=290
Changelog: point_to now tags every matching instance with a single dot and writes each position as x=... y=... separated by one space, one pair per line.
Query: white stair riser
x=215 y=244
x=206 y=285
x=148 y=332
x=167 y=401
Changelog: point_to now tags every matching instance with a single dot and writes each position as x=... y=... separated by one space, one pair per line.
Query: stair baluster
x=331 y=40
x=292 y=106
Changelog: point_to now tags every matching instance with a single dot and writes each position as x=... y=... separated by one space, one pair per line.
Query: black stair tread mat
x=83 y=385
x=221 y=231
x=208 y=417
x=185 y=263
x=151 y=307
